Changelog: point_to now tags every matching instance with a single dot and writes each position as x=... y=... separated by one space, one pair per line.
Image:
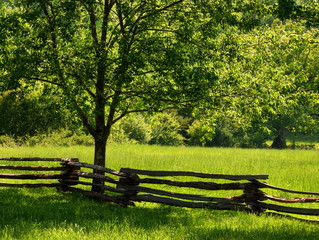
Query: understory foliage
x=161 y=129
x=166 y=130
x=40 y=111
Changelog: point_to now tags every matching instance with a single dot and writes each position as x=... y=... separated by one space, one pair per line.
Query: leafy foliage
x=272 y=77
x=136 y=128
x=38 y=112
x=165 y=130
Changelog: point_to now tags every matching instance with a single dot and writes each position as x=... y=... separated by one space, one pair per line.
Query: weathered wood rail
x=58 y=172
x=130 y=185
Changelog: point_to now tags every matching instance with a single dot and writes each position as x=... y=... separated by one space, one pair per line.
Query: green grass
x=48 y=214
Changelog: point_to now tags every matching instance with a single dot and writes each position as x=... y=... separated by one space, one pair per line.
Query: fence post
x=251 y=196
x=130 y=179
x=67 y=178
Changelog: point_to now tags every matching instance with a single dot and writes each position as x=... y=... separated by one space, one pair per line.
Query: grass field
x=48 y=214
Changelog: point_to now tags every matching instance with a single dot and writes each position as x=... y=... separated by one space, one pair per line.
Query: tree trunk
x=280 y=141
x=99 y=159
x=100 y=136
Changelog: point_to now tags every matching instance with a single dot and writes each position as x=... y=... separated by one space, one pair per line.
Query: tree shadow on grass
x=23 y=210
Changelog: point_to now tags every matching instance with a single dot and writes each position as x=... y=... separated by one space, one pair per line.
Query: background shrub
x=165 y=130
x=195 y=133
x=136 y=128
x=7 y=141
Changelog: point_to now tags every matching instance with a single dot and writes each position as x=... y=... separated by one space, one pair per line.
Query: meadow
x=48 y=214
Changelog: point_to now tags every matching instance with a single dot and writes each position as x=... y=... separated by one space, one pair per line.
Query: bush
x=136 y=128
x=251 y=140
x=196 y=134
x=24 y=114
x=83 y=139
x=7 y=141
x=223 y=138
x=207 y=136
x=165 y=130
x=118 y=135
x=58 y=138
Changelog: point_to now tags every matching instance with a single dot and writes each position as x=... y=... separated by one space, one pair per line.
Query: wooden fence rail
x=30 y=172
x=129 y=185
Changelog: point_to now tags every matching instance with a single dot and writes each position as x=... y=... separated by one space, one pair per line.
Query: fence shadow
x=21 y=209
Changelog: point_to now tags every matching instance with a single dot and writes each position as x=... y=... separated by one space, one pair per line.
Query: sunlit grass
x=48 y=214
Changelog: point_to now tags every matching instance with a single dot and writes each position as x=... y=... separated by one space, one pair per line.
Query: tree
x=294 y=57
x=278 y=68
x=109 y=58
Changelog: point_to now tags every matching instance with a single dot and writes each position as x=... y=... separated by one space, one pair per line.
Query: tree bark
x=101 y=136
x=280 y=141
x=99 y=159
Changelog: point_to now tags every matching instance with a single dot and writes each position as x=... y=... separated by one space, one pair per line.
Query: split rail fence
x=127 y=186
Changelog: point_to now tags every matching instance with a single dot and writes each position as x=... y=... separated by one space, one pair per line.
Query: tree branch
x=107 y=9
x=142 y=16
x=91 y=13
x=169 y=6
x=84 y=119
x=119 y=14
x=128 y=112
x=112 y=111
x=163 y=8
x=46 y=81
x=54 y=40
x=132 y=39
x=81 y=84
x=160 y=30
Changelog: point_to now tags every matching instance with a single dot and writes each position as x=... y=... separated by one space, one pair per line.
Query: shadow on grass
x=23 y=210
x=26 y=209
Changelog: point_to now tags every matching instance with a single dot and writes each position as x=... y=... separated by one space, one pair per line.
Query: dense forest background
x=268 y=82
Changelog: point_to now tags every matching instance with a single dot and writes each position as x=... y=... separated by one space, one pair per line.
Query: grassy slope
x=47 y=214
